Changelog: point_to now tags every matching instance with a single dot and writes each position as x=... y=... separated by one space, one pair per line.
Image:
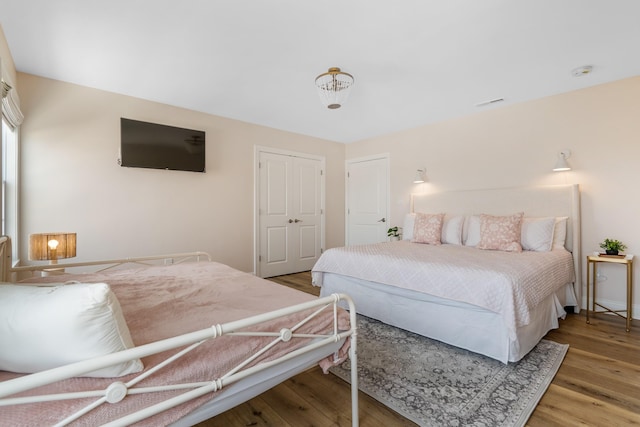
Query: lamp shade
x=419 y=177
x=561 y=163
x=52 y=246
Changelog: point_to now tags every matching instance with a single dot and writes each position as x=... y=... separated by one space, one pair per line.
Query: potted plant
x=612 y=246
x=393 y=233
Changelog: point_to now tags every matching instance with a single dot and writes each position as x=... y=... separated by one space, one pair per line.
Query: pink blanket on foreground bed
x=164 y=301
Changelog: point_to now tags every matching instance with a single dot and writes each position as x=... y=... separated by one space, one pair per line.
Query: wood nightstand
x=592 y=262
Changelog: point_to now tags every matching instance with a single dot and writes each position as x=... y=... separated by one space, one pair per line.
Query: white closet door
x=290 y=213
x=307 y=212
x=367 y=201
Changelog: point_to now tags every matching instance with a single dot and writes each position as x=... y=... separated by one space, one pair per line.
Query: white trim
x=15 y=211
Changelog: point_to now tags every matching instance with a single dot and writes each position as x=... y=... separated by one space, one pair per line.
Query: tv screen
x=155 y=146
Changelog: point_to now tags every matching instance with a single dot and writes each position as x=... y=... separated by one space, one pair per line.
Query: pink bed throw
x=163 y=301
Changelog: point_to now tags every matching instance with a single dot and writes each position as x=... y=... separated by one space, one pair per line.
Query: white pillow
x=472 y=234
x=407 y=226
x=560 y=232
x=452 y=229
x=43 y=327
x=537 y=234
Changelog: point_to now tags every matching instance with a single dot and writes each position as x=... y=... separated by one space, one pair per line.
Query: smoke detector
x=581 y=71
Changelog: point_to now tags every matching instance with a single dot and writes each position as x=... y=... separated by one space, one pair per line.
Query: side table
x=592 y=273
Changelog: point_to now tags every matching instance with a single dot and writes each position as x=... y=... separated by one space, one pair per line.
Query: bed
x=204 y=338
x=494 y=302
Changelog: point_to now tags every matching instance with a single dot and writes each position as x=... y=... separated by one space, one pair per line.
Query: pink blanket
x=163 y=301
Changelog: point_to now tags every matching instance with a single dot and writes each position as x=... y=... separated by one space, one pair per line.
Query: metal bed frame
x=118 y=390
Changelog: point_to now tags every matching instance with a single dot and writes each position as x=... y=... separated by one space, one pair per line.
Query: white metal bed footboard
x=117 y=391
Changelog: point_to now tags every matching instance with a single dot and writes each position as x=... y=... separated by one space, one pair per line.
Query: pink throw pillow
x=427 y=228
x=501 y=232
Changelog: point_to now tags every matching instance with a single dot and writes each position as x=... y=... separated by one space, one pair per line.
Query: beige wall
x=71 y=180
x=517 y=146
x=8 y=67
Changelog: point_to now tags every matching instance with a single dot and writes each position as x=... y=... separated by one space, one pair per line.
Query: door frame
x=258 y=149
x=348 y=162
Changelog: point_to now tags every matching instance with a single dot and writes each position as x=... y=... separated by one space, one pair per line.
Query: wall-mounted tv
x=155 y=146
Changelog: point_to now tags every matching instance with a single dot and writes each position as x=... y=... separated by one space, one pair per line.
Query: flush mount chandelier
x=334 y=87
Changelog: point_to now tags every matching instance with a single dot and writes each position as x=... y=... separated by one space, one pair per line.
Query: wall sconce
x=561 y=164
x=52 y=246
x=420 y=176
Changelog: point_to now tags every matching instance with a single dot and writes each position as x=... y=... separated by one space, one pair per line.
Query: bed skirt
x=459 y=324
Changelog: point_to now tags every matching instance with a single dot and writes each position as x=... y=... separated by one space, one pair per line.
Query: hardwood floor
x=598 y=384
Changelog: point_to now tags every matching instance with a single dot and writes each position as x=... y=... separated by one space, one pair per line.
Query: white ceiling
x=415 y=62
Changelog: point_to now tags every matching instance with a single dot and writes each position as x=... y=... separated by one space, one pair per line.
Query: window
x=9 y=167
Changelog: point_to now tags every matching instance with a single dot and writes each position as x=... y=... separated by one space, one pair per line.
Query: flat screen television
x=155 y=146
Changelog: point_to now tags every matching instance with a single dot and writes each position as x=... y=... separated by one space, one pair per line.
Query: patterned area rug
x=435 y=384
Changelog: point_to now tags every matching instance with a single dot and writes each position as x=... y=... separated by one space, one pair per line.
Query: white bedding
x=510 y=284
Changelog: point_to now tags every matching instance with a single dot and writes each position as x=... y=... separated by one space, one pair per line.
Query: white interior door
x=367 y=200
x=290 y=213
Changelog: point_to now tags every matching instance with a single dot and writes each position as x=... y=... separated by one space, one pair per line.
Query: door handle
x=382 y=220
x=297 y=220
x=290 y=220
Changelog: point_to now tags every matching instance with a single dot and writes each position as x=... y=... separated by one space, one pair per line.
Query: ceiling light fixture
x=334 y=87
x=582 y=71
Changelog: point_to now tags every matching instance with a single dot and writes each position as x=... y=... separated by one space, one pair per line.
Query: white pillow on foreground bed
x=43 y=327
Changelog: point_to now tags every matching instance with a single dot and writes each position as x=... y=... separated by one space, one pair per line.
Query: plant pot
x=611 y=252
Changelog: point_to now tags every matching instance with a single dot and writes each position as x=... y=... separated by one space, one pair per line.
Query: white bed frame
x=236 y=386
x=465 y=325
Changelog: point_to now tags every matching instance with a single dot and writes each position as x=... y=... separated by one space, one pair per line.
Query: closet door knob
x=382 y=220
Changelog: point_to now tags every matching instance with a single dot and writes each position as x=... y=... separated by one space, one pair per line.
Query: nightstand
x=592 y=276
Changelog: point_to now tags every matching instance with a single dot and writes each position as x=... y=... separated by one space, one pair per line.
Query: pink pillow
x=427 y=228
x=501 y=232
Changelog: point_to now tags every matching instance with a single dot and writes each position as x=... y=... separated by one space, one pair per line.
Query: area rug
x=435 y=384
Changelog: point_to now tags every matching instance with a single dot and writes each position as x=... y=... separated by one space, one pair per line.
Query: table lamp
x=52 y=246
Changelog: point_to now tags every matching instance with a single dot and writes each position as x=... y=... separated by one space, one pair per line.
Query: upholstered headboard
x=552 y=200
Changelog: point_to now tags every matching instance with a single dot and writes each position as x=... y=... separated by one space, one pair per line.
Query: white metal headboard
x=7 y=271
x=552 y=200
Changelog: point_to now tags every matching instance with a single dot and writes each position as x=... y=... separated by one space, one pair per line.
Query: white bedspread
x=503 y=282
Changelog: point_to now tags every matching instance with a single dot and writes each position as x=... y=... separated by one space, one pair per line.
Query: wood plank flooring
x=598 y=384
